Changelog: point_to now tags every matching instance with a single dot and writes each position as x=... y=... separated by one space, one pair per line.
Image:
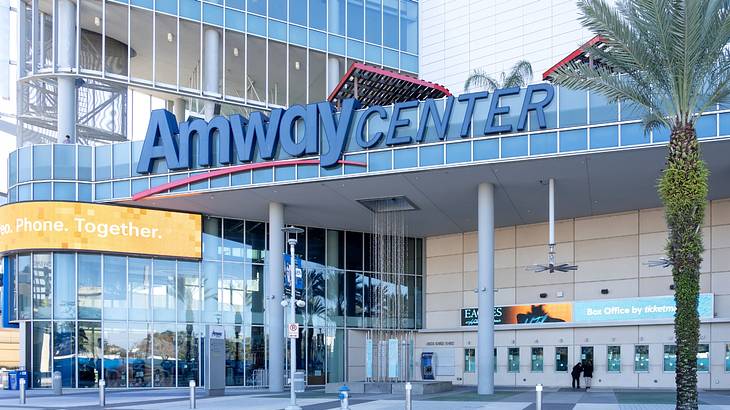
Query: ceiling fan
x=551 y=267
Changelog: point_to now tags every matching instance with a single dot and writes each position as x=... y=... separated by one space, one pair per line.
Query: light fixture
x=235 y=51
x=170 y=37
x=543 y=295
x=604 y=291
x=97 y=21
x=671 y=287
x=296 y=65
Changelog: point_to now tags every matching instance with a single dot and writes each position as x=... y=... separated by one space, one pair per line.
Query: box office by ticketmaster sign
x=53 y=225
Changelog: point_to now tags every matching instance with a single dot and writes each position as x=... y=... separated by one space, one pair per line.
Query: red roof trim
x=388 y=73
x=232 y=170
x=580 y=50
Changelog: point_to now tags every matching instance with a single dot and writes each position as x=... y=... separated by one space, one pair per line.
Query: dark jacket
x=577 y=369
x=588 y=370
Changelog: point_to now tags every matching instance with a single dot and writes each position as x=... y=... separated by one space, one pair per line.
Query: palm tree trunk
x=683 y=188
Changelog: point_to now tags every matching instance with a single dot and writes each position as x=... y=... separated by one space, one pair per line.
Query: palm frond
x=519 y=76
x=479 y=78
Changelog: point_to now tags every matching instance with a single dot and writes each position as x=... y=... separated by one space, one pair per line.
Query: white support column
x=211 y=67
x=274 y=310
x=66 y=62
x=485 y=267
x=333 y=64
x=178 y=108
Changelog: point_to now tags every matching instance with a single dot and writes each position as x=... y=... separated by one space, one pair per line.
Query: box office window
x=641 y=358
x=670 y=358
x=513 y=359
x=703 y=358
x=536 y=359
x=470 y=360
x=561 y=359
x=727 y=357
x=613 y=359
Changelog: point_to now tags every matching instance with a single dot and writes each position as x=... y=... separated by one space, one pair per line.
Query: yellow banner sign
x=95 y=227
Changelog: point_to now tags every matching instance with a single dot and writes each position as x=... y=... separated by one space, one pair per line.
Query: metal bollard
x=57 y=383
x=102 y=393
x=409 y=387
x=192 y=393
x=22 y=390
x=344 y=398
x=538 y=392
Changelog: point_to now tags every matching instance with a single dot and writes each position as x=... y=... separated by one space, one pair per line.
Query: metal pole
x=22 y=390
x=102 y=393
x=551 y=221
x=292 y=313
x=409 y=405
x=538 y=392
x=192 y=393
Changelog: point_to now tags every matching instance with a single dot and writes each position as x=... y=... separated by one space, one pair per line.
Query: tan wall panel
x=444 y=301
x=504 y=237
x=607 y=226
x=607 y=248
x=444 y=245
x=720 y=212
x=609 y=269
x=444 y=264
x=451 y=282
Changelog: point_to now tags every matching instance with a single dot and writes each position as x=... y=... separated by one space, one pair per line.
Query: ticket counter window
x=561 y=359
x=670 y=358
x=470 y=361
x=703 y=358
x=641 y=358
x=513 y=359
x=727 y=357
x=536 y=363
x=614 y=359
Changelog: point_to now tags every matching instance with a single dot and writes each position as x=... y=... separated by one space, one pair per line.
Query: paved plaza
x=316 y=399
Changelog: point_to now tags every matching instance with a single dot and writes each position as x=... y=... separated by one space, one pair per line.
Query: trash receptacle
x=13 y=380
x=299 y=382
x=23 y=374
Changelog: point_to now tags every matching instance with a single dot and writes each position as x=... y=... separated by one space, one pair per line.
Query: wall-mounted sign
x=603 y=310
x=316 y=129
x=94 y=227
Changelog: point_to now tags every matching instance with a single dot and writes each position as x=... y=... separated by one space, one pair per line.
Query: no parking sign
x=293 y=329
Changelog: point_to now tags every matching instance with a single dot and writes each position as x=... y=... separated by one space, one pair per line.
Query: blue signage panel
x=647 y=308
x=318 y=129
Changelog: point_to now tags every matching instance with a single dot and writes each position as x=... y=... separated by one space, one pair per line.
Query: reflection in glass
x=141 y=62
x=164 y=358
x=89 y=357
x=64 y=352
x=163 y=290
x=189 y=68
x=42 y=286
x=256 y=241
x=641 y=358
x=115 y=354
x=140 y=278
x=64 y=285
x=536 y=361
x=316 y=356
x=614 y=359
x=277 y=73
x=89 y=290
x=231 y=292
x=41 y=354
x=116 y=45
x=255 y=356
x=316 y=298
x=703 y=357
x=210 y=278
x=115 y=287
x=513 y=359
x=317 y=72
x=235 y=364
x=188 y=350
x=235 y=50
x=354 y=298
x=165 y=49
x=188 y=292
x=140 y=355
x=254 y=295
x=297 y=75
x=23 y=278
x=561 y=359
x=470 y=360
x=212 y=238
x=233 y=249
x=256 y=87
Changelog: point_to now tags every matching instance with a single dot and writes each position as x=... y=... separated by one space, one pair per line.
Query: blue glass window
x=572 y=107
x=103 y=191
x=202 y=184
x=121 y=189
x=42 y=191
x=24 y=192
x=256 y=25
x=318 y=14
x=660 y=134
x=64 y=191
x=85 y=192
x=236 y=4
x=189 y=9
x=277 y=9
x=405 y=158
x=103 y=157
x=166 y=6
x=380 y=161
x=601 y=109
x=390 y=58
x=318 y=40
x=307 y=171
x=139 y=185
x=277 y=30
x=257 y=6
x=331 y=171
x=142 y=3
x=409 y=26
x=356 y=169
x=235 y=20
x=41 y=162
x=286 y=173
x=355 y=17
x=543 y=143
x=336 y=44
x=298 y=12
x=551 y=113
x=122 y=157
x=632 y=134
x=12 y=195
x=458 y=152
x=241 y=178
x=604 y=137
x=390 y=23
x=432 y=155
x=263 y=175
x=181 y=188
x=631 y=111
x=64 y=161
x=372 y=21
x=157 y=181
x=573 y=140
x=220 y=182
x=410 y=63
x=725 y=124
x=84 y=153
x=24 y=164
x=298 y=35
x=486 y=149
x=336 y=16
x=372 y=53
x=355 y=49
x=706 y=126
x=514 y=146
x=13 y=168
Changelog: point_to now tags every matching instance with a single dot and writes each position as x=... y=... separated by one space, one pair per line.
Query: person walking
x=577 y=370
x=588 y=374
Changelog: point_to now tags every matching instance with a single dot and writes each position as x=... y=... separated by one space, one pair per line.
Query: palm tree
x=669 y=58
x=519 y=76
